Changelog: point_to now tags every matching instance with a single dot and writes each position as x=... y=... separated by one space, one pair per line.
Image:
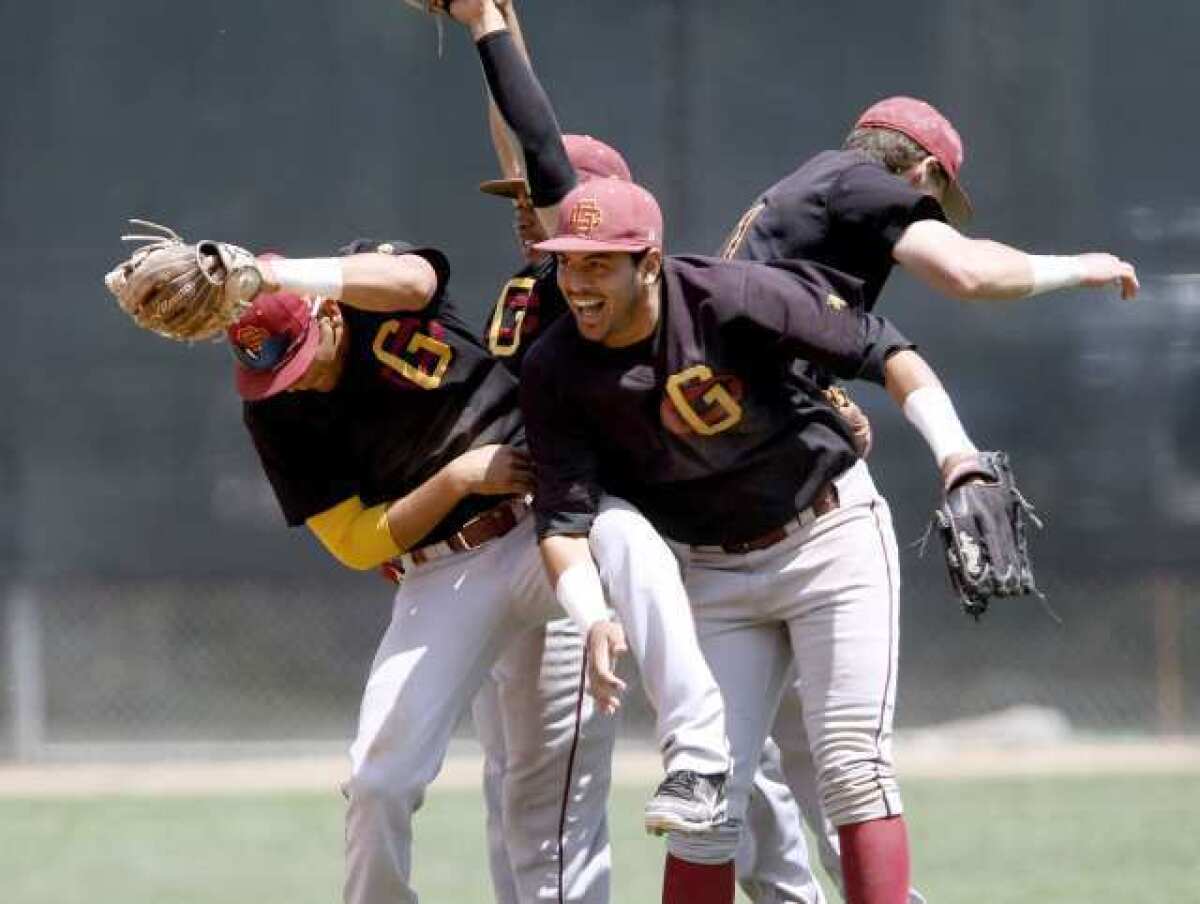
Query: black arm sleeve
x=526 y=108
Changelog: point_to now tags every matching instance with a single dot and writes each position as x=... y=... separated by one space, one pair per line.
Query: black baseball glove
x=982 y=524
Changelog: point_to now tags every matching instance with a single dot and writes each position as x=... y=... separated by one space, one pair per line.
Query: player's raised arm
x=523 y=103
x=508 y=151
x=977 y=269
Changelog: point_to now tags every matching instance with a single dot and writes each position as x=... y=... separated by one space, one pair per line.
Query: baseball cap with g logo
x=607 y=215
x=274 y=342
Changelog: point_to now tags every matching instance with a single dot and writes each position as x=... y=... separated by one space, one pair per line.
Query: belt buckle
x=491 y=516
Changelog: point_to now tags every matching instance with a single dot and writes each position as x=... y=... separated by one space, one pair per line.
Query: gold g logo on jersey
x=585 y=217
x=701 y=402
x=834 y=303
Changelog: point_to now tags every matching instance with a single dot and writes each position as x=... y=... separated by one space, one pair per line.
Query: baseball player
x=773 y=866
x=884 y=199
x=674 y=387
x=389 y=431
x=690 y=719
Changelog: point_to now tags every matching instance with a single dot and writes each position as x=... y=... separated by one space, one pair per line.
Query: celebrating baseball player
x=884 y=199
x=674 y=387
x=389 y=431
x=773 y=864
x=690 y=720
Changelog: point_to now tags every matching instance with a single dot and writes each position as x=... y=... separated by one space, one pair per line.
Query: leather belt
x=495 y=522
x=823 y=503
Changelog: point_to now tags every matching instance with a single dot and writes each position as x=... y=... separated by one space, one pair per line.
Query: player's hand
x=1100 y=270
x=270 y=283
x=467 y=12
x=605 y=645
x=953 y=476
x=493 y=471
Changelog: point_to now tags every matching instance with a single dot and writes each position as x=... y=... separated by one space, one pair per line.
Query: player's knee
x=717 y=846
x=859 y=789
x=376 y=790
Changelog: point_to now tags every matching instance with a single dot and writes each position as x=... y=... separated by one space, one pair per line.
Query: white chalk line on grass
x=633 y=766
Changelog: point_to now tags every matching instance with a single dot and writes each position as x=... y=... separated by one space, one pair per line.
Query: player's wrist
x=455 y=480
x=930 y=410
x=489 y=22
x=1051 y=272
x=580 y=593
x=313 y=277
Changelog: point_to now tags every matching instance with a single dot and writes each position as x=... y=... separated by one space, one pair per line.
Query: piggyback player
x=690 y=721
x=673 y=385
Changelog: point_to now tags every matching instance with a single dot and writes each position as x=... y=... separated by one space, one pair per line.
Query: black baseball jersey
x=418 y=389
x=841 y=209
x=527 y=305
x=703 y=425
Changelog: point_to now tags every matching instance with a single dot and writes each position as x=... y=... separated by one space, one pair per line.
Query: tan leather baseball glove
x=183 y=291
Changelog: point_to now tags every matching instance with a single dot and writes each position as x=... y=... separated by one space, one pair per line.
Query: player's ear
x=650 y=266
x=925 y=176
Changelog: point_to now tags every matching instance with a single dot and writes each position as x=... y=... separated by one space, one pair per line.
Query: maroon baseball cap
x=274 y=342
x=607 y=215
x=591 y=158
x=931 y=130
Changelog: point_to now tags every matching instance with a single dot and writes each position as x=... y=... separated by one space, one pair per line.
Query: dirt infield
x=634 y=765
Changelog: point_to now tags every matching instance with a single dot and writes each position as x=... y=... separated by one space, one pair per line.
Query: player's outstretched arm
x=523 y=103
x=370 y=282
x=363 y=538
x=979 y=269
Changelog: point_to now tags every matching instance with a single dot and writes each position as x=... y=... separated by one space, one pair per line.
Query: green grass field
x=1017 y=841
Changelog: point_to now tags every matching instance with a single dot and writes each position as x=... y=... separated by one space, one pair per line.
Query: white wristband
x=1051 y=272
x=932 y=413
x=312 y=277
x=580 y=593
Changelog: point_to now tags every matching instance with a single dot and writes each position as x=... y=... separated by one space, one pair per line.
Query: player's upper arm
x=357 y=537
x=568 y=491
x=938 y=255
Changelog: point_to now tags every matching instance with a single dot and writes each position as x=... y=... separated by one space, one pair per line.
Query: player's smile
x=589 y=311
x=601 y=289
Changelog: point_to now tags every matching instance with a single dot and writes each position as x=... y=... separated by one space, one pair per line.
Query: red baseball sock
x=697 y=883
x=875 y=861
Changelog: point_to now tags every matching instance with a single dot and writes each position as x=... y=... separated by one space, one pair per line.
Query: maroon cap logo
x=250 y=338
x=586 y=217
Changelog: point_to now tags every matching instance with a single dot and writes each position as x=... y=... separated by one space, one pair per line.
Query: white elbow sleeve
x=312 y=277
x=1051 y=272
x=930 y=410
x=580 y=593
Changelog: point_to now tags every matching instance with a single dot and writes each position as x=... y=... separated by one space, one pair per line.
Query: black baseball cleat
x=687 y=802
